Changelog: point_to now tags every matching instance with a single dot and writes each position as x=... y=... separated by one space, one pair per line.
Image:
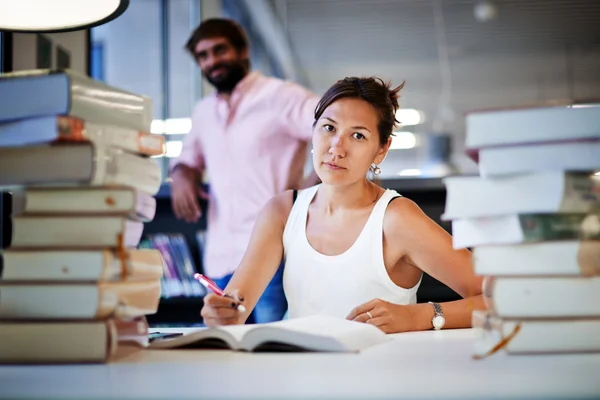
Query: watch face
x=438 y=322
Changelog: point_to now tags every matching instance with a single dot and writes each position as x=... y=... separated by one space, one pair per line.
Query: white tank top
x=315 y=283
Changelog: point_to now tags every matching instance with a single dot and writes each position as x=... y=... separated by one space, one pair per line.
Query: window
x=143 y=51
x=97 y=61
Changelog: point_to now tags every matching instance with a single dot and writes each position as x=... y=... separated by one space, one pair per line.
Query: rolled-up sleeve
x=297 y=105
x=191 y=154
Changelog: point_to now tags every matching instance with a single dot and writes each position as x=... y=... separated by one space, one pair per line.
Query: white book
x=532 y=125
x=313 y=333
x=517 y=297
x=78 y=165
x=84 y=201
x=557 y=156
x=81 y=265
x=57 y=342
x=44 y=92
x=81 y=300
x=75 y=232
x=543 y=192
x=552 y=258
x=535 y=336
x=60 y=128
x=524 y=228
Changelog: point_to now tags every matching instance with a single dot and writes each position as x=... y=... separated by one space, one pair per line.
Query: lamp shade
x=57 y=15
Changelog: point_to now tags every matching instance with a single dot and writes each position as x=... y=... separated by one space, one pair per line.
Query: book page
x=317 y=333
x=223 y=336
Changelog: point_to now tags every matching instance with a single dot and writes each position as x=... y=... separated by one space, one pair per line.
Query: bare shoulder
x=402 y=216
x=401 y=208
x=279 y=207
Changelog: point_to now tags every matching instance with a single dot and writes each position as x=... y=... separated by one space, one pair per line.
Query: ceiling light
x=172 y=126
x=57 y=15
x=174 y=148
x=409 y=116
x=403 y=140
x=410 y=172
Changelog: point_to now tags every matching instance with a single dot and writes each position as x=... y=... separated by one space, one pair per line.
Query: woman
x=352 y=249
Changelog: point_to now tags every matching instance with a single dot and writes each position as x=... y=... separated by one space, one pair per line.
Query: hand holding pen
x=219 y=308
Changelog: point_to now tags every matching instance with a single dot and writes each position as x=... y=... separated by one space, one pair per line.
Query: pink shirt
x=252 y=148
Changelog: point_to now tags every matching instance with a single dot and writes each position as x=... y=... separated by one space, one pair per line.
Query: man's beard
x=234 y=72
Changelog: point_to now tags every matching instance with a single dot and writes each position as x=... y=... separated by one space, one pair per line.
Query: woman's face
x=346 y=142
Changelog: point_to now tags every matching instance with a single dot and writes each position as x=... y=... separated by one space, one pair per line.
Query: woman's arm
x=410 y=235
x=263 y=254
x=428 y=246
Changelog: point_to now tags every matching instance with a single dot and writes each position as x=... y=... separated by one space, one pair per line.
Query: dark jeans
x=271 y=306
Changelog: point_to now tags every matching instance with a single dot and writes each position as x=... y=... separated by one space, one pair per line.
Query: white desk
x=434 y=365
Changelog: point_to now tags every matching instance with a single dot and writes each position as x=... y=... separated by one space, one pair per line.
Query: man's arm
x=185 y=176
x=191 y=158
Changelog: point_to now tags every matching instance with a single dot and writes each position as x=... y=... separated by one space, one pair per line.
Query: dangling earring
x=312 y=151
x=376 y=170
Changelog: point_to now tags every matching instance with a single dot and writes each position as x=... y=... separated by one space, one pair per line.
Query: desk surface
x=435 y=365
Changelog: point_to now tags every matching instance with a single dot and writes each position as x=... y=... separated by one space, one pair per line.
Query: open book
x=314 y=333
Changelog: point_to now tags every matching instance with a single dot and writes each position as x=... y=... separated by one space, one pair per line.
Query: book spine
x=544 y=227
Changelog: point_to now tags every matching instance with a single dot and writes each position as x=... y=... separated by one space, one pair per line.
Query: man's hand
x=184 y=194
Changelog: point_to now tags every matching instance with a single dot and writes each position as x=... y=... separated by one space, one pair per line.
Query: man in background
x=251 y=137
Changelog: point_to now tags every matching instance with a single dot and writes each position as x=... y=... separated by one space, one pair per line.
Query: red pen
x=210 y=285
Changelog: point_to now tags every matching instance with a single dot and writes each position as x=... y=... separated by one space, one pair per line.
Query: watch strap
x=437 y=308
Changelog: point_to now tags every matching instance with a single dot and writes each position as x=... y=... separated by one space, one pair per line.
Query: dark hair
x=374 y=91
x=218 y=27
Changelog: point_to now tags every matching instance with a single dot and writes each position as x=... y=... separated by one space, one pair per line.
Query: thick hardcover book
x=314 y=333
x=62 y=128
x=43 y=92
x=77 y=164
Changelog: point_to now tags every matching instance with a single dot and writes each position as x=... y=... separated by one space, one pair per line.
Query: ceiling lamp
x=57 y=15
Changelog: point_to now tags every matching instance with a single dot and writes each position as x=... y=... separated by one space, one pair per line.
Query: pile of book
x=532 y=218
x=76 y=155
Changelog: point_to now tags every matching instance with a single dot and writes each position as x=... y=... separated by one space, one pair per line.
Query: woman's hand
x=389 y=317
x=221 y=310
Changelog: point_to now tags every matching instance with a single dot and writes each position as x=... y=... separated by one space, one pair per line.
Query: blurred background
x=455 y=56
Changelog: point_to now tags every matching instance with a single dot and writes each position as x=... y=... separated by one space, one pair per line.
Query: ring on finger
x=369 y=314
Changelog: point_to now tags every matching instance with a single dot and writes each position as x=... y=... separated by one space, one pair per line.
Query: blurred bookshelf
x=181 y=245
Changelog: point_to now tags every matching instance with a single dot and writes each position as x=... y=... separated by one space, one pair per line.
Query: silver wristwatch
x=438 y=319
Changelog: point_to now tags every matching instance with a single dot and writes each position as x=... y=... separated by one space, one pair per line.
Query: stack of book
x=532 y=218
x=76 y=154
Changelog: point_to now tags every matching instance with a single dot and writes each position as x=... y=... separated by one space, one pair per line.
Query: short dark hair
x=374 y=91
x=218 y=27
